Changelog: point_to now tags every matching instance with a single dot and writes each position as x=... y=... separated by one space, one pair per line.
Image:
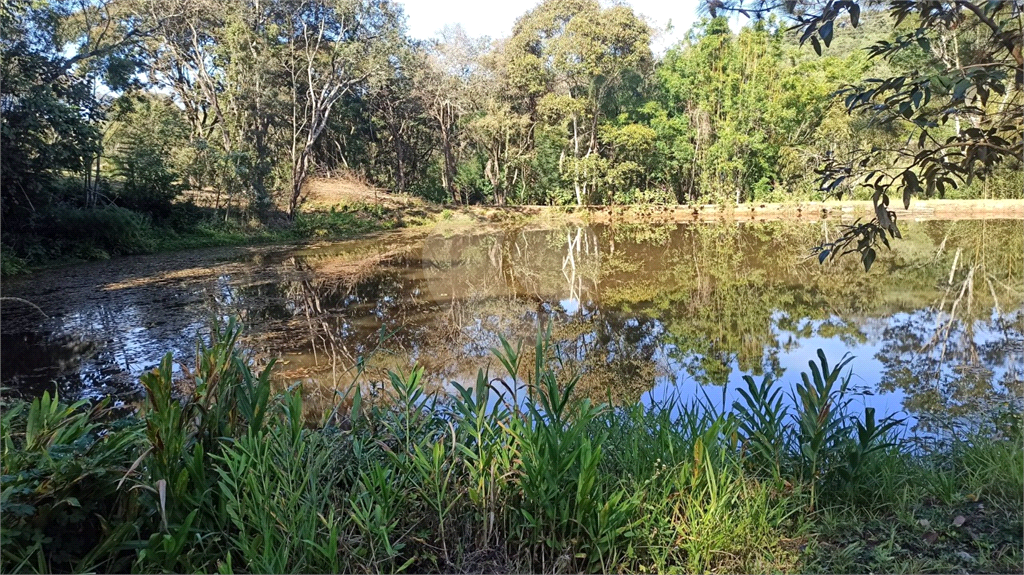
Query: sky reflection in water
x=641 y=312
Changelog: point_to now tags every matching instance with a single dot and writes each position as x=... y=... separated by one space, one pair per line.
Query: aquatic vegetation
x=519 y=472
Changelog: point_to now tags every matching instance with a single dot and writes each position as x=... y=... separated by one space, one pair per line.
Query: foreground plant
x=60 y=497
x=513 y=474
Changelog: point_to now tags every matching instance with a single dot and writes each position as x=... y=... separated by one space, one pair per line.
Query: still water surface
x=641 y=312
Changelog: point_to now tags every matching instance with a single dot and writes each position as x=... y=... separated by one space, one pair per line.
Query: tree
x=332 y=48
x=983 y=88
x=259 y=81
x=187 y=55
x=400 y=116
x=566 y=58
x=447 y=84
x=53 y=56
x=143 y=134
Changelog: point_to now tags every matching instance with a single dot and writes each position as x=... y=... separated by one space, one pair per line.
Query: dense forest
x=113 y=108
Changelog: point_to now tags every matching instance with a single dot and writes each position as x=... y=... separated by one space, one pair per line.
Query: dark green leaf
x=826 y=33
x=868 y=258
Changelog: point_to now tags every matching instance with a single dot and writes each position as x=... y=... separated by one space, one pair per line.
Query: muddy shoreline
x=846 y=211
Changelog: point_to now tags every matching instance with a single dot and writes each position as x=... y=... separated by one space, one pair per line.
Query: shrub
x=80 y=232
x=62 y=509
x=11 y=264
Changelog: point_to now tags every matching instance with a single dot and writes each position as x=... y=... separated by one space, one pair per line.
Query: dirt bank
x=806 y=211
x=323 y=193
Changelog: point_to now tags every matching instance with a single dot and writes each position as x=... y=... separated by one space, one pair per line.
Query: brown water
x=643 y=312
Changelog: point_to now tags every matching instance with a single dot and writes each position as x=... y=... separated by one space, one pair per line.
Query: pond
x=641 y=312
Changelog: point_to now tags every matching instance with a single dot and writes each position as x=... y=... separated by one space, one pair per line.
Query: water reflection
x=640 y=312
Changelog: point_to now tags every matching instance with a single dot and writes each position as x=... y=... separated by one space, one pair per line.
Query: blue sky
x=495 y=18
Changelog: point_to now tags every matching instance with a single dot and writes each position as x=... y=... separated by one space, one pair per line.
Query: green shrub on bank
x=337 y=224
x=515 y=473
x=11 y=264
x=76 y=233
x=112 y=230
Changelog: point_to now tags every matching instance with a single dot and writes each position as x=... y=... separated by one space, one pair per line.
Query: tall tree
x=53 y=56
x=332 y=49
x=566 y=57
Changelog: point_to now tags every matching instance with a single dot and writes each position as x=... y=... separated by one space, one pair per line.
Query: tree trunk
x=448 y=173
x=576 y=165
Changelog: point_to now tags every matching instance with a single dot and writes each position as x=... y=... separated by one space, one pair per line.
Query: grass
x=220 y=473
x=76 y=234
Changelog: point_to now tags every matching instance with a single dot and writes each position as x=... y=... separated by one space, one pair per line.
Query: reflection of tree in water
x=719 y=291
x=946 y=388
x=962 y=355
x=630 y=304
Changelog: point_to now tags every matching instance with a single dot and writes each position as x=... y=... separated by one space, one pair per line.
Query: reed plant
x=513 y=473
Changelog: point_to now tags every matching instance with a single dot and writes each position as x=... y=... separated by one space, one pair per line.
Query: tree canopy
x=129 y=103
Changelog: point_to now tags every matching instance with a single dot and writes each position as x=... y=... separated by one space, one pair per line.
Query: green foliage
x=11 y=264
x=335 y=224
x=61 y=467
x=275 y=481
x=46 y=124
x=142 y=137
x=127 y=104
x=85 y=232
x=224 y=399
x=563 y=507
x=950 y=64
x=819 y=443
x=219 y=473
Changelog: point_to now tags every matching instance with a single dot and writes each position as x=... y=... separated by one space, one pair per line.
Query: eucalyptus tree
x=504 y=137
x=333 y=48
x=498 y=127
x=448 y=84
x=400 y=118
x=187 y=56
x=565 y=60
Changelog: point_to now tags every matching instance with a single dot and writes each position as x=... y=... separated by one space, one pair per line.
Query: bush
x=336 y=224
x=11 y=264
x=62 y=509
x=113 y=230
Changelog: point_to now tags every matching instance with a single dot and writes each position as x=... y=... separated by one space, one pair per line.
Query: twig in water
x=25 y=301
